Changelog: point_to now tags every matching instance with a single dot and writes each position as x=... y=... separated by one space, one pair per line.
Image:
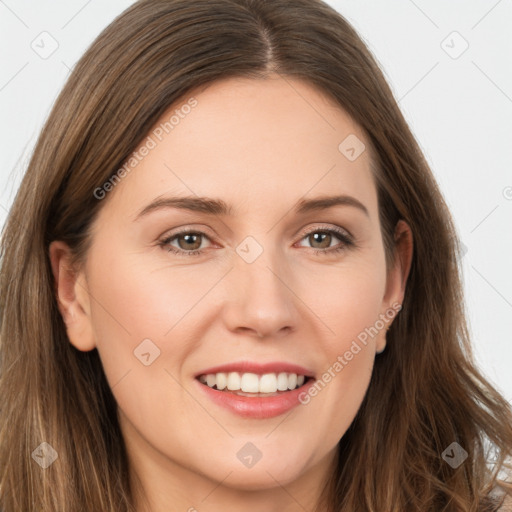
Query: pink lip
x=256 y=407
x=258 y=368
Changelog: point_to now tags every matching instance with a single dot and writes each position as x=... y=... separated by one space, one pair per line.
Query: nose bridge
x=261 y=301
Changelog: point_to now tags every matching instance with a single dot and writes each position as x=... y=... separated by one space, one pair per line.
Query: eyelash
x=347 y=242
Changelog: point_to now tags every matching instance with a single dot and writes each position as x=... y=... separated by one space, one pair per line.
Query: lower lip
x=256 y=407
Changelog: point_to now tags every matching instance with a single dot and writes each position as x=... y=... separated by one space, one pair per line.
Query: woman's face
x=250 y=281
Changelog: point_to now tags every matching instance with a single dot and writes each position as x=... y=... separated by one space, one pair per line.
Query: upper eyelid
x=326 y=227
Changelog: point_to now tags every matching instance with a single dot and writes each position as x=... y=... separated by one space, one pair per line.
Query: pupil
x=190 y=239
x=318 y=236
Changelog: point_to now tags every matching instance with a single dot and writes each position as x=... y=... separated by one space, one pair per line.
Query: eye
x=322 y=238
x=189 y=243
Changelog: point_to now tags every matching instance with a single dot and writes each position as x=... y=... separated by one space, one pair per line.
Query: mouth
x=253 y=390
x=252 y=384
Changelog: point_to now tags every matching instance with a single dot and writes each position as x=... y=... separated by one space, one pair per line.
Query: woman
x=173 y=338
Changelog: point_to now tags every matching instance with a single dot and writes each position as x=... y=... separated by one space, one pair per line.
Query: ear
x=72 y=297
x=397 y=276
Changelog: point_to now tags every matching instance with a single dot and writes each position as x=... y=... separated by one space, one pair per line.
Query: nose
x=260 y=300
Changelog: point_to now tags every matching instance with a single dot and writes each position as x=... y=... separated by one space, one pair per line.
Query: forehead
x=255 y=143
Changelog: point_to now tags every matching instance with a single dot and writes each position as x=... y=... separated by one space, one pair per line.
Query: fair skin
x=260 y=146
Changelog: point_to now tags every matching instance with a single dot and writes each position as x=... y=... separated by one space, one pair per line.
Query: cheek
x=137 y=308
x=146 y=310
x=143 y=296
x=347 y=298
x=349 y=308
x=147 y=299
x=140 y=320
x=340 y=389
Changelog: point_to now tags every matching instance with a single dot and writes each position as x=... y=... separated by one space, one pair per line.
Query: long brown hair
x=426 y=391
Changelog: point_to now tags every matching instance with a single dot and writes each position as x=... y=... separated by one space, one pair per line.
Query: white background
x=460 y=110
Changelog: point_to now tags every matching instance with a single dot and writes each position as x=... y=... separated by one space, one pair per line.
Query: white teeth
x=234 y=381
x=268 y=383
x=222 y=380
x=282 y=382
x=252 y=382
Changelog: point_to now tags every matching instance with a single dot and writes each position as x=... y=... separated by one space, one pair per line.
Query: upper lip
x=258 y=368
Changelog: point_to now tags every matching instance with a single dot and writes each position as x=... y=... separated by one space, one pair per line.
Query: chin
x=266 y=473
x=259 y=479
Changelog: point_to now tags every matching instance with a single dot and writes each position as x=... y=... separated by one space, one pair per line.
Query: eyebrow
x=212 y=206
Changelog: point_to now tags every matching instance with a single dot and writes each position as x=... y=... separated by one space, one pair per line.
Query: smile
x=252 y=384
x=257 y=391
